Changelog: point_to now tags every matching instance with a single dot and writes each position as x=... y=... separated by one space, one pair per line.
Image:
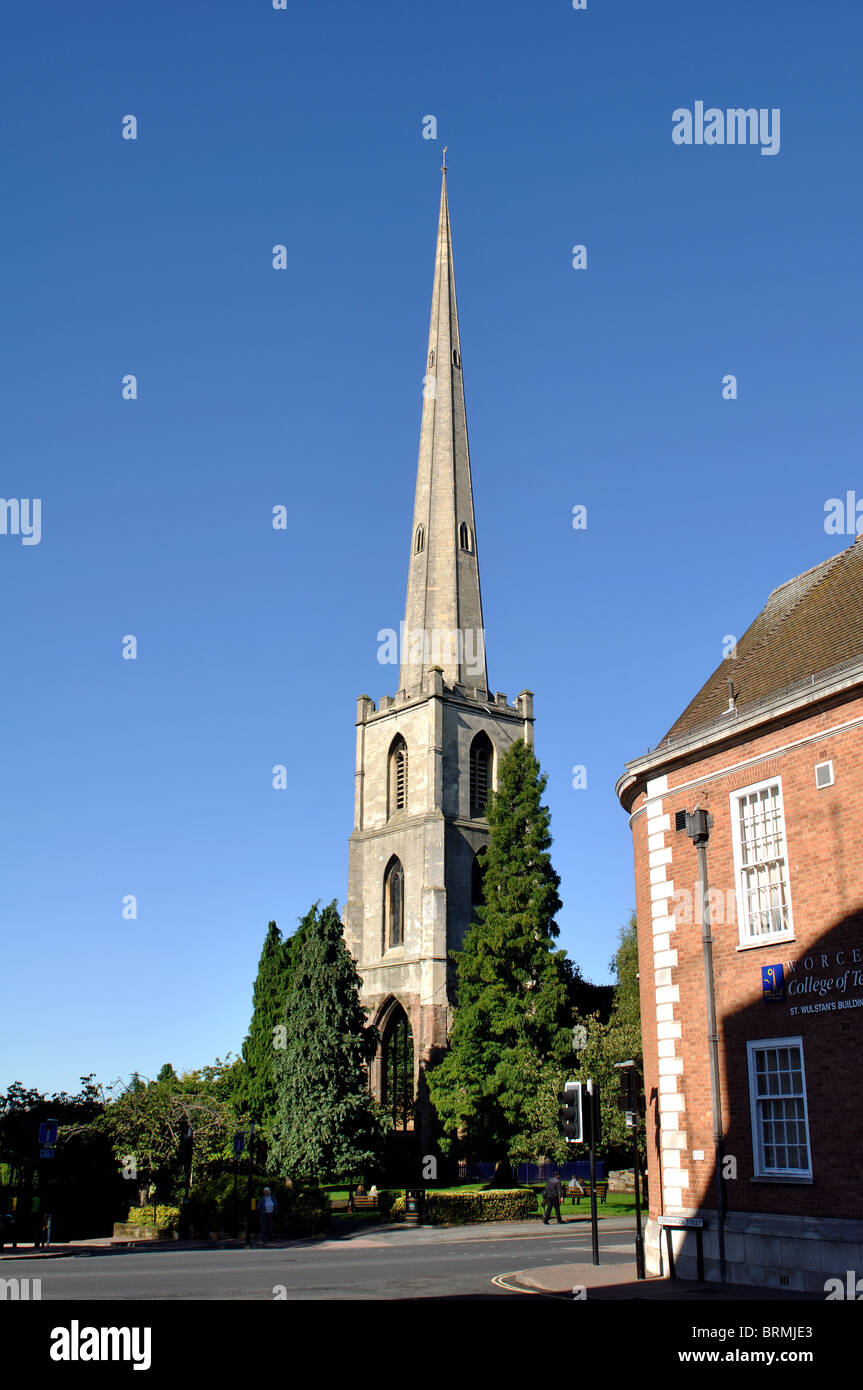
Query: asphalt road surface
x=368 y=1265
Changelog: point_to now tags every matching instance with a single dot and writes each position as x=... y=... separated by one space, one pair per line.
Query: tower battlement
x=521 y=707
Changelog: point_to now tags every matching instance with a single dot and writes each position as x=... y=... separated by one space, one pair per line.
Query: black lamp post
x=239 y=1141
x=698 y=824
x=249 y=1184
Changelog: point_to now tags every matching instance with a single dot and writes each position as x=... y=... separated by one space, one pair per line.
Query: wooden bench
x=364 y=1202
x=601 y=1192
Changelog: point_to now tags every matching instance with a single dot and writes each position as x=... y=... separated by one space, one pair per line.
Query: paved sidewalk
x=107 y=1244
x=609 y=1282
x=343 y=1231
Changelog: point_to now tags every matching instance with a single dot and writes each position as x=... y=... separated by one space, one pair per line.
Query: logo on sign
x=772 y=983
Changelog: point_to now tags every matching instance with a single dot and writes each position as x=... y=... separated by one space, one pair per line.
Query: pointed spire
x=443 y=614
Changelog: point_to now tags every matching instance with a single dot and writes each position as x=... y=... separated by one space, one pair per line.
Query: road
x=386 y=1264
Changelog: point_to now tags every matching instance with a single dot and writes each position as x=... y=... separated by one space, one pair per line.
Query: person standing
x=7 y=1230
x=551 y=1200
x=268 y=1207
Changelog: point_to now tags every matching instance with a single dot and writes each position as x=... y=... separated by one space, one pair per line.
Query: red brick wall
x=824 y=846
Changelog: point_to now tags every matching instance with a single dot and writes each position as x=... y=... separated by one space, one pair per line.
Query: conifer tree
x=512 y=1016
x=326 y=1122
x=256 y=1091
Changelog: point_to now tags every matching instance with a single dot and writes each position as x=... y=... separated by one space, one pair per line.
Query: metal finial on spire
x=443 y=158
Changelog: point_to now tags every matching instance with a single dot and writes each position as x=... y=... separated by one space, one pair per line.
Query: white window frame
x=760 y=1168
x=746 y=941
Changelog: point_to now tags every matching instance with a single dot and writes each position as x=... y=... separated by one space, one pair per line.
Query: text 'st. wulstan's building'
x=428 y=755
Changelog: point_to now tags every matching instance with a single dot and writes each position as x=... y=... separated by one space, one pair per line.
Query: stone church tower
x=427 y=755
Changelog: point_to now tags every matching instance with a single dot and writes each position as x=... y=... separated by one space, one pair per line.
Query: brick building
x=771 y=749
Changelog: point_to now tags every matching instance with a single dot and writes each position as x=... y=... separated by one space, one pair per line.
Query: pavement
x=342 y=1230
x=610 y=1282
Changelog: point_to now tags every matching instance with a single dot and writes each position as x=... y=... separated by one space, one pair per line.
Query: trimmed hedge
x=167 y=1218
x=456 y=1208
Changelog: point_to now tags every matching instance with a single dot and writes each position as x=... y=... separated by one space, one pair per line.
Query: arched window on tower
x=397 y=776
x=456 y=360
x=420 y=540
x=465 y=537
x=394 y=904
x=481 y=753
x=398 y=1070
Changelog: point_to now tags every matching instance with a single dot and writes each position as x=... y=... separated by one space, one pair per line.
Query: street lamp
x=698 y=824
x=239 y=1142
x=249 y=1184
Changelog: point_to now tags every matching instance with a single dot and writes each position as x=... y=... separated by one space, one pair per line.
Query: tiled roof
x=811 y=623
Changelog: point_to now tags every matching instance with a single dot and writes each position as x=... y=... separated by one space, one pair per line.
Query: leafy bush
x=456 y=1208
x=212 y=1202
x=304 y=1209
x=167 y=1218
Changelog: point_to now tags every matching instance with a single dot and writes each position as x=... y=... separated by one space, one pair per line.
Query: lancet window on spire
x=420 y=540
x=465 y=537
x=456 y=360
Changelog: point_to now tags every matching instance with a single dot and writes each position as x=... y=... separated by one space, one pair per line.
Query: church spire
x=443 y=612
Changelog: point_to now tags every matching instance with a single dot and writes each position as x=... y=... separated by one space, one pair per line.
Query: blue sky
x=302 y=387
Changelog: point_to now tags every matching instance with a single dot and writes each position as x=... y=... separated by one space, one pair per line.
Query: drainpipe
x=698 y=825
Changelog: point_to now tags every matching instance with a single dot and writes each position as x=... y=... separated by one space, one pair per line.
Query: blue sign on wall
x=772 y=983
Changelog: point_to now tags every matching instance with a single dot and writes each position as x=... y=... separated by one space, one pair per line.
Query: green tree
x=256 y=1087
x=146 y=1123
x=627 y=1003
x=540 y=1138
x=512 y=1012
x=618 y=1040
x=326 y=1123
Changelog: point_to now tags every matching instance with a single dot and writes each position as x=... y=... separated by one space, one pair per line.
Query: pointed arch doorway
x=392 y=1072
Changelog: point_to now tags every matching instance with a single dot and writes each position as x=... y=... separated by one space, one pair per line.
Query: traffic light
x=187 y=1141
x=630 y=1101
x=593 y=1116
x=570 y=1119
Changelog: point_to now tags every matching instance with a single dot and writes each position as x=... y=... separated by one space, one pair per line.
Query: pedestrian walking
x=551 y=1200
x=269 y=1208
x=8 y=1231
